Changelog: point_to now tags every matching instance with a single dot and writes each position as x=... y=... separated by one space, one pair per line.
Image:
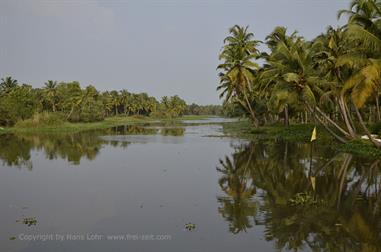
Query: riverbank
x=107 y=123
x=299 y=133
x=242 y=129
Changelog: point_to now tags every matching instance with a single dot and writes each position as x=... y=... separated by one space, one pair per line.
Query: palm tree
x=50 y=93
x=115 y=100
x=7 y=84
x=290 y=73
x=332 y=55
x=124 y=100
x=107 y=103
x=364 y=28
x=275 y=77
x=238 y=68
x=74 y=98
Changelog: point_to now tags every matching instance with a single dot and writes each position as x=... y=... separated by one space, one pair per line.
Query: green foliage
x=44 y=119
x=170 y=107
x=31 y=221
x=238 y=68
x=73 y=104
x=232 y=109
x=375 y=128
x=304 y=199
x=195 y=109
x=190 y=226
x=17 y=103
x=361 y=148
x=300 y=133
x=333 y=79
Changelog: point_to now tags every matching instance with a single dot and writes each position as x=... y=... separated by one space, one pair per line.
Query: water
x=135 y=188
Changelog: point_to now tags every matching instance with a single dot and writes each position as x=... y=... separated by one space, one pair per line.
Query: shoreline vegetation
x=241 y=128
x=332 y=81
x=57 y=104
x=68 y=127
x=300 y=133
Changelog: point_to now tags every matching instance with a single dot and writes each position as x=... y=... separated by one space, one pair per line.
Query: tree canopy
x=333 y=79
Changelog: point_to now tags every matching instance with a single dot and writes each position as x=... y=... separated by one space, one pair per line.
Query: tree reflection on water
x=259 y=179
x=15 y=149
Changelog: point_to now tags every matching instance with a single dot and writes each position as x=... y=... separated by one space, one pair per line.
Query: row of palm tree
x=74 y=103
x=333 y=79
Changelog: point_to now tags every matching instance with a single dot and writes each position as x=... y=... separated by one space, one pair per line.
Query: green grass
x=300 y=133
x=360 y=148
x=107 y=123
x=296 y=133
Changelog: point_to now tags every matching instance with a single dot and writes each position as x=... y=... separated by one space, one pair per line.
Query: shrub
x=41 y=120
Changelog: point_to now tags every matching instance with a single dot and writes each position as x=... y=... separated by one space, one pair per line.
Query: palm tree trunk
x=306 y=114
x=350 y=117
x=253 y=117
x=71 y=112
x=378 y=107
x=332 y=122
x=286 y=120
x=375 y=143
x=340 y=139
x=370 y=115
x=345 y=116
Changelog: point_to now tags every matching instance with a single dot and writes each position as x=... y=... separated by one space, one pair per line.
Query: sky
x=162 y=47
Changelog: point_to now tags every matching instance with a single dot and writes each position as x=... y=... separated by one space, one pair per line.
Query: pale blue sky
x=159 y=47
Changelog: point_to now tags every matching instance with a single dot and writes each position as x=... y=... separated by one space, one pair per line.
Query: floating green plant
x=190 y=226
x=32 y=221
x=303 y=199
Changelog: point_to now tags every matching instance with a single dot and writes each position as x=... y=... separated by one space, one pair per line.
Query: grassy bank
x=300 y=133
x=107 y=123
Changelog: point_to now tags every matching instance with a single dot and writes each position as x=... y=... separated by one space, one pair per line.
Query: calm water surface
x=135 y=188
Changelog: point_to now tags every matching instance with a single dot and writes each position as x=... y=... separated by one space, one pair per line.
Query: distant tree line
x=72 y=103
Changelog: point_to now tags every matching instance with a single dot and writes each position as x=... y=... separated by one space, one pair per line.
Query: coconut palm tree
x=7 y=84
x=332 y=53
x=238 y=68
x=124 y=100
x=272 y=77
x=50 y=93
x=115 y=100
x=364 y=28
x=290 y=72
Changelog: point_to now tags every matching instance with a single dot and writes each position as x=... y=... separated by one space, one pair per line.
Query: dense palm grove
x=69 y=102
x=332 y=80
